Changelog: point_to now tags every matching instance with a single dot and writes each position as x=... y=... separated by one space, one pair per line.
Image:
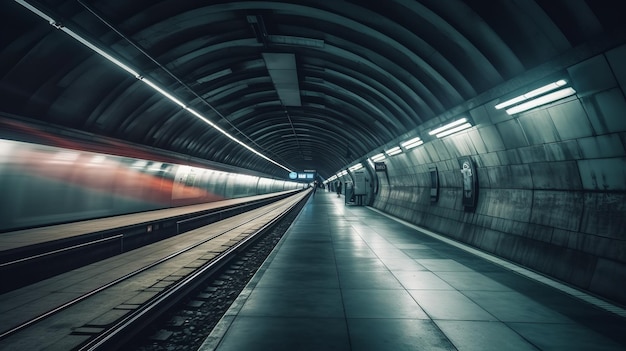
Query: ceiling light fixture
x=356 y=167
x=542 y=100
x=411 y=143
x=140 y=77
x=378 y=157
x=519 y=104
x=393 y=151
x=451 y=128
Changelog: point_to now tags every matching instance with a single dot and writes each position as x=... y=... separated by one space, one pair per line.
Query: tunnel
x=532 y=167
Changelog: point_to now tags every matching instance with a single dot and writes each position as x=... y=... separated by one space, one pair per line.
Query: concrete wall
x=552 y=182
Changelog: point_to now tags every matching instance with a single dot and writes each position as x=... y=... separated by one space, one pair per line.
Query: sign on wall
x=470 y=183
x=302 y=176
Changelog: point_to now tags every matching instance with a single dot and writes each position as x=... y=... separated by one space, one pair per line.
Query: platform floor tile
x=350 y=278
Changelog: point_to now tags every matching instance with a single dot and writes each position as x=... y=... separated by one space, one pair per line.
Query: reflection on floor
x=350 y=278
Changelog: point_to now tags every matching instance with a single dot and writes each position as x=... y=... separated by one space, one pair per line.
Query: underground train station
x=312 y=175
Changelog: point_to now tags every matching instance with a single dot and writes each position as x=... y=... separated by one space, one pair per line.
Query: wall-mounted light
x=451 y=128
x=540 y=100
x=138 y=76
x=411 y=143
x=378 y=157
x=356 y=167
x=393 y=151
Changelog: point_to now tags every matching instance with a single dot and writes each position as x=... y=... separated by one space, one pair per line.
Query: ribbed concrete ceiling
x=367 y=71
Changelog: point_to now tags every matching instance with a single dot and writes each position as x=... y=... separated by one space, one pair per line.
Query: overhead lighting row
x=139 y=77
x=448 y=129
x=534 y=98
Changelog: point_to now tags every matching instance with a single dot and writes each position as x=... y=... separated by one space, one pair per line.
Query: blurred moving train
x=44 y=185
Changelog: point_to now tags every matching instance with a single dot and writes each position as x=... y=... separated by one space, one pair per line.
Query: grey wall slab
x=551 y=181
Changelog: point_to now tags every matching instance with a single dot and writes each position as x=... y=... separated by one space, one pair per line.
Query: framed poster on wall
x=470 y=183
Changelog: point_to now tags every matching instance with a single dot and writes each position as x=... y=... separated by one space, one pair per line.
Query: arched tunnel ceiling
x=367 y=71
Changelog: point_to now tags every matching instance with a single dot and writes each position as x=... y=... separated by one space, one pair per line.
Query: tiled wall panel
x=552 y=182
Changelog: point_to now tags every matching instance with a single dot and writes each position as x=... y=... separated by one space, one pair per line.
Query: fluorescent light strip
x=378 y=157
x=557 y=95
x=36 y=11
x=356 y=167
x=411 y=143
x=139 y=77
x=453 y=130
x=204 y=119
x=163 y=92
x=394 y=151
x=531 y=94
x=447 y=126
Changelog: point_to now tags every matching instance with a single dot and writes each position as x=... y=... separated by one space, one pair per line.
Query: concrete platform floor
x=351 y=278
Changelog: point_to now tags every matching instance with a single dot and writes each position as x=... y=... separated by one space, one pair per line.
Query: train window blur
x=44 y=185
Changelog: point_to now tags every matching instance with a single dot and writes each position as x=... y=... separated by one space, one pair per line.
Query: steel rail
x=119 y=332
x=93 y=292
x=54 y=252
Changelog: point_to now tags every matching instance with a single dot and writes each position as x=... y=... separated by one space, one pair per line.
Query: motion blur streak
x=44 y=185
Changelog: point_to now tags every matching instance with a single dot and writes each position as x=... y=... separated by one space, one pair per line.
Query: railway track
x=64 y=246
x=109 y=309
x=186 y=326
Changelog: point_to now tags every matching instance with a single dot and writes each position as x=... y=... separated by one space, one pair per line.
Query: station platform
x=351 y=278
